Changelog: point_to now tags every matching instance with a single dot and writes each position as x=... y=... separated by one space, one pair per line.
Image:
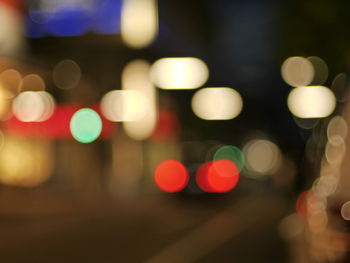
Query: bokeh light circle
x=217 y=103
x=320 y=70
x=124 y=105
x=179 y=73
x=32 y=82
x=311 y=102
x=171 y=176
x=218 y=176
x=202 y=177
x=66 y=74
x=262 y=157
x=33 y=106
x=345 y=211
x=86 y=125
x=232 y=153
x=297 y=71
x=10 y=80
x=337 y=129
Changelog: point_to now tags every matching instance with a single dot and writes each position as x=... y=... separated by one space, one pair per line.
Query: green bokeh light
x=232 y=153
x=85 y=125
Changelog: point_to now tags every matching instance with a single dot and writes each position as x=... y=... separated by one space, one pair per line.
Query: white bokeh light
x=33 y=106
x=217 y=103
x=179 y=73
x=311 y=102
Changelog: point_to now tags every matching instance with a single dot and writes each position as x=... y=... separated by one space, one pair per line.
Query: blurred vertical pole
x=12 y=42
x=127 y=166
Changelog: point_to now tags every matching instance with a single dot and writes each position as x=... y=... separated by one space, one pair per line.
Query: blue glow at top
x=76 y=19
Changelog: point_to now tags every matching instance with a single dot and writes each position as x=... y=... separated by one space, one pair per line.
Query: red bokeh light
x=218 y=176
x=171 y=176
x=202 y=177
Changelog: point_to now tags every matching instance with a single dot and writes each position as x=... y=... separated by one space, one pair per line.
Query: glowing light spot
x=10 y=81
x=217 y=103
x=297 y=71
x=33 y=106
x=335 y=152
x=171 y=176
x=11 y=28
x=136 y=78
x=337 y=129
x=179 y=73
x=202 y=178
x=218 y=176
x=139 y=22
x=320 y=70
x=262 y=157
x=5 y=103
x=25 y=163
x=231 y=153
x=123 y=105
x=66 y=74
x=86 y=125
x=345 y=211
x=315 y=203
x=32 y=82
x=311 y=102
x=325 y=185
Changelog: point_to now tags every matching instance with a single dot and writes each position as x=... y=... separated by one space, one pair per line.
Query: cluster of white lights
x=305 y=100
x=33 y=106
x=135 y=103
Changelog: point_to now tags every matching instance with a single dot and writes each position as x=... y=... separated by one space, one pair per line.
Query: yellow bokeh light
x=10 y=80
x=262 y=157
x=311 y=102
x=335 y=152
x=297 y=71
x=123 y=105
x=25 y=163
x=325 y=185
x=337 y=130
x=33 y=82
x=11 y=31
x=179 y=73
x=5 y=103
x=136 y=78
x=139 y=22
x=33 y=106
x=217 y=103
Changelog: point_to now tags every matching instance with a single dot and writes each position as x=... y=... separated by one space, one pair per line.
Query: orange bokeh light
x=218 y=176
x=171 y=176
